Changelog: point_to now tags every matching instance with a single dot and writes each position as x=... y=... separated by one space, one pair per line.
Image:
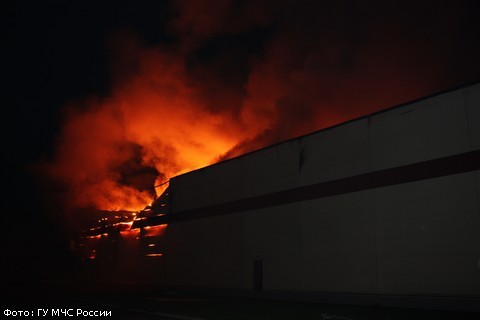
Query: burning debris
x=115 y=229
x=239 y=77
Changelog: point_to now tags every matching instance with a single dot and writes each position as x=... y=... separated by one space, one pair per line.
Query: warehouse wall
x=421 y=237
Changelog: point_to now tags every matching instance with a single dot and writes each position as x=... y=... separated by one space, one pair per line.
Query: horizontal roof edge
x=366 y=116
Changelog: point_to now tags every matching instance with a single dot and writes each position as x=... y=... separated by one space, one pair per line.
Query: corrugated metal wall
x=421 y=237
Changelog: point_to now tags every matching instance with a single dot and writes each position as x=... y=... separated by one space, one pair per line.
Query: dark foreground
x=57 y=298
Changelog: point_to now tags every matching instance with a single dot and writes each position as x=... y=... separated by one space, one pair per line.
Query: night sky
x=315 y=63
x=54 y=52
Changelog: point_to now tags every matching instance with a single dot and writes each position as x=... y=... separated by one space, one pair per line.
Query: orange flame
x=151 y=122
x=154 y=230
x=133 y=233
x=169 y=115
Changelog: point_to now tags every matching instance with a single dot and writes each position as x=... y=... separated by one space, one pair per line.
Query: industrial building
x=386 y=204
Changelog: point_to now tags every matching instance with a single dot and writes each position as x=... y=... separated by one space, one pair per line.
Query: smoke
x=151 y=127
x=240 y=75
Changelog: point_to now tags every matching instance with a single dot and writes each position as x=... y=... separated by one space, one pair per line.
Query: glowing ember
x=130 y=234
x=152 y=231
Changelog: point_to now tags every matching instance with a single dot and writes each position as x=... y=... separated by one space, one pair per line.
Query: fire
x=236 y=78
x=151 y=231
x=123 y=226
x=149 y=130
x=170 y=109
x=133 y=233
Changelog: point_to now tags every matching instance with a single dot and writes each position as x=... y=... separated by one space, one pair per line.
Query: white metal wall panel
x=472 y=100
x=206 y=252
x=476 y=175
x=428 y=129
x=269 y=170
x=339 y=152
x=223 y=182
x=221 y=244
x=416 y=238
x=272 y=169
x=187 y=191
x=428 y=235
x=274 y=235
x=338 y=244
x=183 y=257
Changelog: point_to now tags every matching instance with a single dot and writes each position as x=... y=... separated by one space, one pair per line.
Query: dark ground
x=130 y=301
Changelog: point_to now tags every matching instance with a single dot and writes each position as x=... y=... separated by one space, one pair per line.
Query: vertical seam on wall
x=373 y=203
x=301 y=205
x=466 y=105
